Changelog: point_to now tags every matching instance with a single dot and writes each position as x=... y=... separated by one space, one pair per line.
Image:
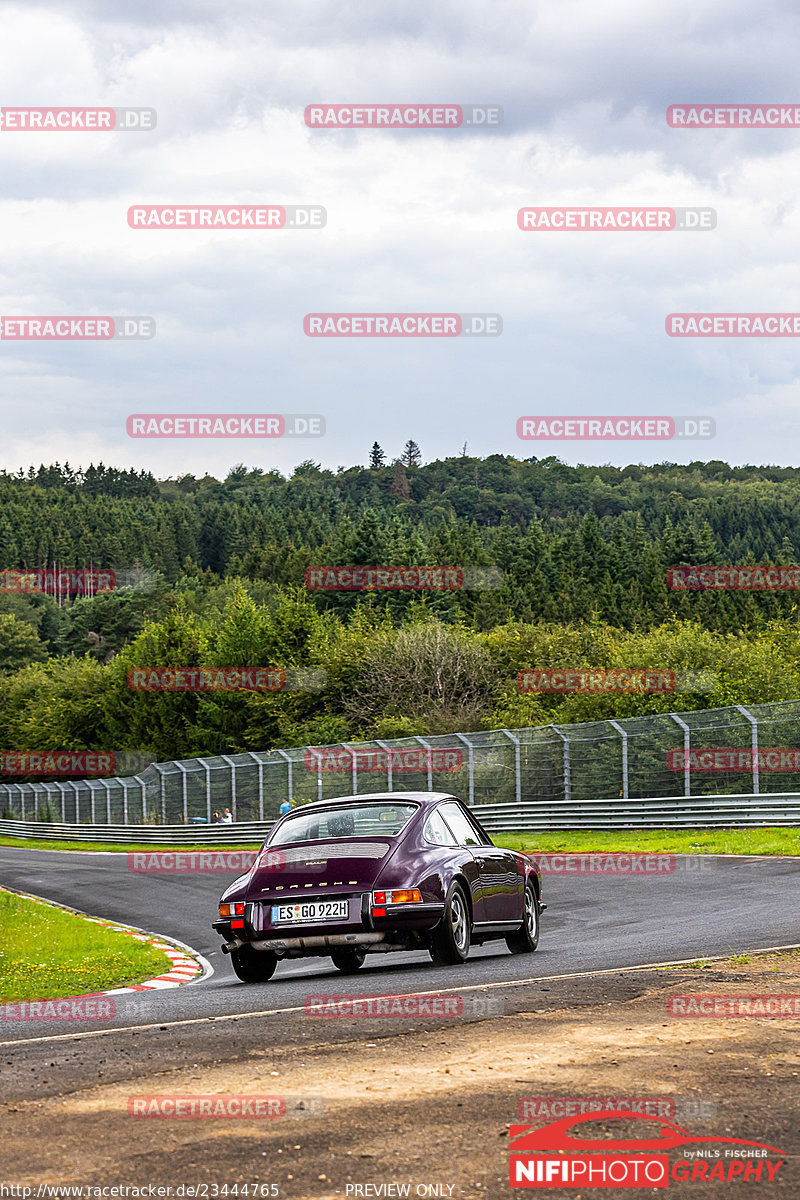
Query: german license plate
x=312 y=910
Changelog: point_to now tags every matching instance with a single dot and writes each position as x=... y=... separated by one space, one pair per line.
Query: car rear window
x=351 y=820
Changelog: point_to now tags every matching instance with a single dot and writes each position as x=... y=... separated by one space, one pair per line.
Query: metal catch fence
x=725 y=751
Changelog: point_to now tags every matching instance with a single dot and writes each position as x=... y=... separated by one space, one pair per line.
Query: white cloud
x=417 y=221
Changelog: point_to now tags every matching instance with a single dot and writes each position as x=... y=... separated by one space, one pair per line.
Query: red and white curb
x=188 y=966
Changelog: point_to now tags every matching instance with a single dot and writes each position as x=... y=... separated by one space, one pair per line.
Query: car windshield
x=350 y=820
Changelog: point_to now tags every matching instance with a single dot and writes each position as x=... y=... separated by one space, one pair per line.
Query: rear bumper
x=401 y=921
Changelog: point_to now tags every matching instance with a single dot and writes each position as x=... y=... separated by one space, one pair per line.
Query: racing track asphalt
x=707 y=906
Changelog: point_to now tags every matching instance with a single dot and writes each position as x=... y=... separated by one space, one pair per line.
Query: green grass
x=46 y=952
x=663 y=841
x=578 y=841
x=117 y=847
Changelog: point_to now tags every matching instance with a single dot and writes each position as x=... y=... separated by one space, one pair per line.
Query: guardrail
x=747 y=810
x=244 y=833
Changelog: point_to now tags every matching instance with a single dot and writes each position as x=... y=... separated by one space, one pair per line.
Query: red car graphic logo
x=557 y=1136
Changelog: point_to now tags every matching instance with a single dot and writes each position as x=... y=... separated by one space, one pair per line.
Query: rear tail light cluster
x=402 y=896
x=232 y=910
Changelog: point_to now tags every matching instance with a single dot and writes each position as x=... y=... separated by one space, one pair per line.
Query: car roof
x=425 y=799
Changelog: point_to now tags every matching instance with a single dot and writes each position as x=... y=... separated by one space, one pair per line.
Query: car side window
x=483 y=838
x=436 y=832
x=465 y=832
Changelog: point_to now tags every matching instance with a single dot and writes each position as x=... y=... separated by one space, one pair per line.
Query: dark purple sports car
x=362 y=874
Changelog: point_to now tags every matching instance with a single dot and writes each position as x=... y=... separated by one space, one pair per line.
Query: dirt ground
x=425 y=1105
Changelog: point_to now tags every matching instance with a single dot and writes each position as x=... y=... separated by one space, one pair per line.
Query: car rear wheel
x=348 y=959
x=254 y=966
x=525 y=939
x=450 y=939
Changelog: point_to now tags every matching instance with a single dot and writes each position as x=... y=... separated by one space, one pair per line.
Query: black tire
x=525 y=939
x=451 y=937
x=254 y=966
x=348 y=959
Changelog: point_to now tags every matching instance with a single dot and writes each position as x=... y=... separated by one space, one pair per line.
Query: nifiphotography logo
x=577 y=1160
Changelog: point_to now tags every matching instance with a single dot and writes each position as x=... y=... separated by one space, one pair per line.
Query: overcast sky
x=417 y=221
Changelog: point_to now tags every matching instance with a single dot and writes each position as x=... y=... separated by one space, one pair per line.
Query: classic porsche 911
x=358 y=875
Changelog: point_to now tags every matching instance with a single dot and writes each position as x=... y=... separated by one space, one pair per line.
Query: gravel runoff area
x=426 y=1103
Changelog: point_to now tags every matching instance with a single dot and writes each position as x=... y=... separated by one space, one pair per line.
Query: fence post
x=143 y=786
x=63 y=808
x=207 y=770
x=74 y=787
x=90 y=784
x=687 y=734
x=260 y=766
x=624 y=736
x=283 y=754
x=517 y=771
x=107 y=787
x=383 y=746
x=567 y=763
x=318 y=755
x=354 y=766
x=427 y=746
x=471 y=765
x=226 y=758
x=160 y=774
x=184 y=792
x=753 y=743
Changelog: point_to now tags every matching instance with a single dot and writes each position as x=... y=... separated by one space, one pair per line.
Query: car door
x=439 y=833
x=499 y=883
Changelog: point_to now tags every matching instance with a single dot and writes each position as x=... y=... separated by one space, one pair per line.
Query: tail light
x=400 y=896
x=232 y=910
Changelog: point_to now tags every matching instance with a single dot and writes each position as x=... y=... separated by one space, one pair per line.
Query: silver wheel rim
x=458 y=919
x=531 y=915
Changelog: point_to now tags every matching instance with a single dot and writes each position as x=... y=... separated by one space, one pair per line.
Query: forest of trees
x=584 y=553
